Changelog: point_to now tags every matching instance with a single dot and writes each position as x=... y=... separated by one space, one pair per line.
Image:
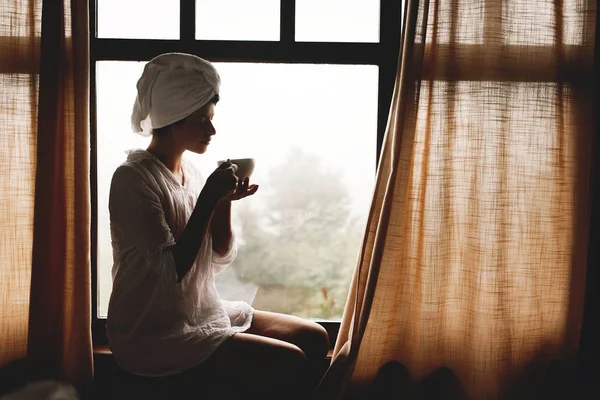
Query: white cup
x=245 y=167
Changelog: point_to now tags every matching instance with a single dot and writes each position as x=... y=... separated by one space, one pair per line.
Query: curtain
x=45 y=308
x=20 y=27
x=472 y=271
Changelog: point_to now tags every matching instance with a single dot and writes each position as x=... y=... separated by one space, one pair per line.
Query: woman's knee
x=313 y=340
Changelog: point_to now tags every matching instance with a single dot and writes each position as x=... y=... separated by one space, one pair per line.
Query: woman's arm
x=188 y=245
x=221 y=222
x=221 y=182
x=220 y=190
x=220 y=228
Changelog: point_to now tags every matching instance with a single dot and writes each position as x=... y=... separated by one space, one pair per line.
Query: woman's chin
x=200 y=149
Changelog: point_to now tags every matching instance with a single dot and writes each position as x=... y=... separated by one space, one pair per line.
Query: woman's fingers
x=225 y=164
x=243 y=189
x=250 y=190
x=242 y=186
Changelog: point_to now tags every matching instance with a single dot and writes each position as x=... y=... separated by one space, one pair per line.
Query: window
x=309 y=105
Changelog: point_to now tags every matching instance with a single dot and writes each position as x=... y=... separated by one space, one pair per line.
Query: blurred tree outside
x=301 y=248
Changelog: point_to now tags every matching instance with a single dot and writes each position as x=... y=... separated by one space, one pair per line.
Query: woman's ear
x=176 y=126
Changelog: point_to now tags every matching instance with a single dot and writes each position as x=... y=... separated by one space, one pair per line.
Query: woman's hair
x=164 y=131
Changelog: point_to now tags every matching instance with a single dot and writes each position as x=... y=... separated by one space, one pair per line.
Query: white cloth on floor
x=156 y=326
x=44 y=390
x=172 y=86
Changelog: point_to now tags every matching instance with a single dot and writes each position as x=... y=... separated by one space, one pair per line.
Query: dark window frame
x=383 y=54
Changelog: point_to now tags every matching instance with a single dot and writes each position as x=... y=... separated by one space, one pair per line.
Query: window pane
x=529 y=22
x=337 y=21
x=115 y=93
x=138 y=19
x=574 y=13
x=462 y=18
x=312 y=131
x=237 y=19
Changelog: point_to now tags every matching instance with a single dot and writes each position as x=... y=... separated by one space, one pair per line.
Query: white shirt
x=156 y=326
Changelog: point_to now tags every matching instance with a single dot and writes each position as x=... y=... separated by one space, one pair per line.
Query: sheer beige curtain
x=473 y=263
x=44 y=177
x=20 y=28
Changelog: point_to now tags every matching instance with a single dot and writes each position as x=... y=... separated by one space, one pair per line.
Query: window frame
x=384 y=54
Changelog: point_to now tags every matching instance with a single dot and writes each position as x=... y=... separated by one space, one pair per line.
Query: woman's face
x=194 y=132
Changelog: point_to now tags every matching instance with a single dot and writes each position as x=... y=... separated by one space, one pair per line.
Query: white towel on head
x=172 y=86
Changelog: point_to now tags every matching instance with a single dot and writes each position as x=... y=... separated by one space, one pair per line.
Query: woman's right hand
x=222 y=181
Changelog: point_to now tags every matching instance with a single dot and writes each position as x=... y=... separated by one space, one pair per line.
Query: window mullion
x=187 y=20
x=388 y=47
x=251 y=51
x=287 y=29
x=93 y=22
x=492 y=23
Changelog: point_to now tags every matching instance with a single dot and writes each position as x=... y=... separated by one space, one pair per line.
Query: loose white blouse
x=156 y=326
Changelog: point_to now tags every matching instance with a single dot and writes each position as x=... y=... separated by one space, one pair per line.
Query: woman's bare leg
x=271 y=359
x=259 y=367
x=309 y=336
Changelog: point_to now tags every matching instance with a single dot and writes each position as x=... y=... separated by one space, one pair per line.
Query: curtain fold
x=472 y=269
x=589 y=348
x=44 y=70
x=20 y=27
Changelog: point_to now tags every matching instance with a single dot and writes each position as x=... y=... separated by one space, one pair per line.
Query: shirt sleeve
x=220 y=263
x=138 y=219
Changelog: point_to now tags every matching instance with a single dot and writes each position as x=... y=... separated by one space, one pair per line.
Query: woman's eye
x=201 y=121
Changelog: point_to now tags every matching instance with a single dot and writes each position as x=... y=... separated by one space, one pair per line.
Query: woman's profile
x=171 y=234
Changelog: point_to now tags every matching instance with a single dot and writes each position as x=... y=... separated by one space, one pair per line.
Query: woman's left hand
x=243 y=189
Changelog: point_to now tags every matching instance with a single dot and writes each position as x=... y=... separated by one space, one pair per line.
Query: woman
x=171 y=234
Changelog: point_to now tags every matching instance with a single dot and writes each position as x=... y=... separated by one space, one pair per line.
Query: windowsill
x=103 y=349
